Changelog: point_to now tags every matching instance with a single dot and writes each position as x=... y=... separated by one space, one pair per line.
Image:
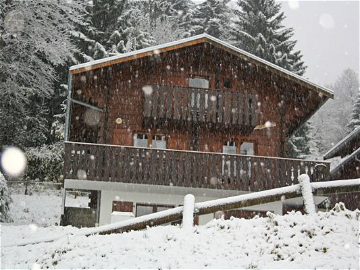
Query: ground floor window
x=146 y=209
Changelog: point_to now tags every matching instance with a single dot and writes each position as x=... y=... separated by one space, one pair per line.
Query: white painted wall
x=151 y=194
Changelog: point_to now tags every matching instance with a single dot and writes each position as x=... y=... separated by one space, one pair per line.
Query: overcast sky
x=327 y=34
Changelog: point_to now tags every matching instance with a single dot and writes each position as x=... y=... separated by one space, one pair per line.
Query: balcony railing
x=200 y=105
x=185 y=168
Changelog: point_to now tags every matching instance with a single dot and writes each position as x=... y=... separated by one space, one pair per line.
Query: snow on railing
x=212 y=206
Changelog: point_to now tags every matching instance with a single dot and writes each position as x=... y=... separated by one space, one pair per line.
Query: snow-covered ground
x=41 y=208
x=322 y=240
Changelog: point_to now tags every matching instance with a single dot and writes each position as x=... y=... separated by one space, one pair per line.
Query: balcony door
x=198 y=82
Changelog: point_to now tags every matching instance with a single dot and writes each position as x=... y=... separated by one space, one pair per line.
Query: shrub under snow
x=45 y=163
x=5 y=200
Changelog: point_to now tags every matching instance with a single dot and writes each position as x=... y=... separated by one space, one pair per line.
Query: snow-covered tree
x=258 y=29
x=183 y=15
x=162 y=33
x=29 y=54
x=299 y=144
x=355 y=115
x=85 y=35
x=132 y=25
x=332 y=118
x=212 y=17
x=5 y=200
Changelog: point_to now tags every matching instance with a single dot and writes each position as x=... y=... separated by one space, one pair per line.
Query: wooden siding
x=184 y=168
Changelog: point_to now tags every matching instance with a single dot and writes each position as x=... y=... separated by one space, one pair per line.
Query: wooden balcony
x=185 y=168
x=173 y=105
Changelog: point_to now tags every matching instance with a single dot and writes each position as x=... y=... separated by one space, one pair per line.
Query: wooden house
x=348 y=149
x=193 y=116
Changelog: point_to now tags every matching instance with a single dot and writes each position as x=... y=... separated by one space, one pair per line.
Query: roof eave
x=196 y=40
x=333 y=152
x=345 y=161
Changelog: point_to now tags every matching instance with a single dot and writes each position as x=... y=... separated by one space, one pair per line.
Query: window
x=158 y=142
x=229 y=147
x=146 y=209
x=142 y=210
x=141 y=140
x=247 y=148
x=198 y=83
x=227 y=83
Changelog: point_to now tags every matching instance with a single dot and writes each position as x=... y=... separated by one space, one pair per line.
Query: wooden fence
x=185 y=168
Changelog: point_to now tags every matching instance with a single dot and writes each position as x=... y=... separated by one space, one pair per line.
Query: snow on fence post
x=306 y=191
x=188 y=212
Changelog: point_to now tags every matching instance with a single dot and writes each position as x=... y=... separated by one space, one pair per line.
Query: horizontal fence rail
x=201 y=105
x=185 y=168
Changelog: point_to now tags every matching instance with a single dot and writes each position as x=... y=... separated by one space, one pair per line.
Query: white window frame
x=158 y=142
x=141 y=140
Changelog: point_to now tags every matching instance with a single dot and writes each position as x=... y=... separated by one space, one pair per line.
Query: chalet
x=348 y=149
x=193 y=116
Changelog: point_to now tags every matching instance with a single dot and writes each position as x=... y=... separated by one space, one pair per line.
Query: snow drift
x=322 y=240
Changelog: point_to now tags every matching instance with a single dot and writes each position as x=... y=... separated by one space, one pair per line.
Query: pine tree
x=355 y=115
x=5 y=200
x=259 y=30
x=132 y=26
x=212 y=17
x=182 y=13
x=85 y=36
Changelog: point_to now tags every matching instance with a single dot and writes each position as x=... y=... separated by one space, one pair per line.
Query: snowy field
x=323 y=240
x=41 y=208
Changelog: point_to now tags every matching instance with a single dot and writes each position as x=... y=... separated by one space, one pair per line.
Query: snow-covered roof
x=333 y=152
x=345 y=161
x=192 y=41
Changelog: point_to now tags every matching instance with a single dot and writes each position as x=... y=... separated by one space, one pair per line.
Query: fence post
x=306 y=191
x=188 y=212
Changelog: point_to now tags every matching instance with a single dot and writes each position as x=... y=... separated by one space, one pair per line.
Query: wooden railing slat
x=227 y=107
x=246 y=109
x=202 y=106
x=220 y=109
x=240 y=108
x=169 y=102
x=234 y=108
x=177 y=97
x=154 y=101
x=162 y=103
